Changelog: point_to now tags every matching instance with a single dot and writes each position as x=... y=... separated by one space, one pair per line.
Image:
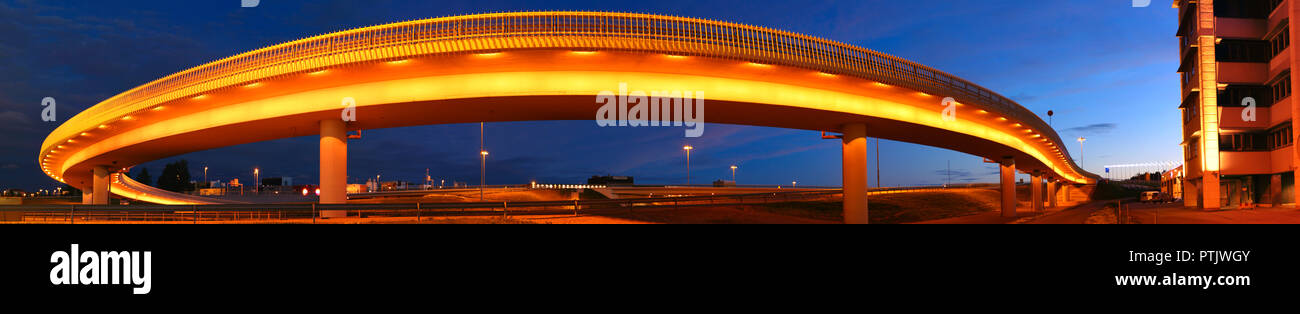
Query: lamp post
x=733 y=174
x=482 y=175
x=482 y=150
x=257 y=182
x=205 y=175
x=688 y=149
x=1081 y=139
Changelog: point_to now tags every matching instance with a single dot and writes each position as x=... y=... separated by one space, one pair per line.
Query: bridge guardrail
x=281 y=212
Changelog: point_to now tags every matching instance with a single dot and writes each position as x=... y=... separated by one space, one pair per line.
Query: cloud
x=1096 y=128
x=956 y=173
x=12 y=119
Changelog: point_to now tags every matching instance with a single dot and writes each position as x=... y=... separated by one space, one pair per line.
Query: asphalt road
x=1075 y=215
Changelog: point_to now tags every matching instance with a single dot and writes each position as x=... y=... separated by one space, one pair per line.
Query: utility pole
x=1081 y=139
x=482 y=177
x=688 y=149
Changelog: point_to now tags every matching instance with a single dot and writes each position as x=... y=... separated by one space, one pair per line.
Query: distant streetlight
x=482 y=177
x=205 y=174
x=688 y=149
x=794 y=183
x=733 y=174
x=257 y=182
x=1081 y=139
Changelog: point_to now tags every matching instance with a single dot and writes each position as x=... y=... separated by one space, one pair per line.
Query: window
x=1240 y=50
x=1243 y=142
x=1280 y=137
x=1189 y=77
x=1281 y=86
x=1279 y=41
x=1233 y=95
x=1189 y=112
x=1244 y=9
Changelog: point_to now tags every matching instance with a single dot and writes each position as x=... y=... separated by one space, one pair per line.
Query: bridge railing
x=577 y=30
x=308 y=213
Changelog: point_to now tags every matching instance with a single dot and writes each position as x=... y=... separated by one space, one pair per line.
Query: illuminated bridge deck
x=540 y=66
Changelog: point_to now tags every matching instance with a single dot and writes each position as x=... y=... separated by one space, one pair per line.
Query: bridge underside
x=547 y=84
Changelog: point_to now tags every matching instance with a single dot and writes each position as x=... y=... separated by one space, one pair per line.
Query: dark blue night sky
x=1105 y=68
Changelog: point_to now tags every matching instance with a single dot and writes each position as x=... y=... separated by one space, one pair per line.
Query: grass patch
x=1111 y=191
x=898 y=208
x=589 y=194
x=1105 y=216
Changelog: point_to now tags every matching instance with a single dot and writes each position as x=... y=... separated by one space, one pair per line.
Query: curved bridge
x=544 y=66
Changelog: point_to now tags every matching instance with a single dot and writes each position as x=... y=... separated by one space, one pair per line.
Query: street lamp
x=257 y=182
x=1081 y=139
x=733 y=174
x=688 y=149
x=205 y=175
x=482 y=177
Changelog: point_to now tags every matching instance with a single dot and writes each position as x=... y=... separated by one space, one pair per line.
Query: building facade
x=1236 y=102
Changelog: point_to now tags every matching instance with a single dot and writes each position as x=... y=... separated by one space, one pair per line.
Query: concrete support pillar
x=1051 y=193
x=333 y=165
x=86 y=197
x=855 y=173
x=1066 y=190
x=99 y=190
x=1191 y=194
x=1008 y=186
x=1210 y=191
x=1275 y=190
x=1036 y=191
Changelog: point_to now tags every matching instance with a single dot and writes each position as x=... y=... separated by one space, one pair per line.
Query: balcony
x=1230 y=118
x=1243 y=72
x=1238 y=163
x=1227 y=27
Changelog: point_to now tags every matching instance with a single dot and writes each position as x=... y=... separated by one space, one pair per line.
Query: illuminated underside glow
x=553 y=83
